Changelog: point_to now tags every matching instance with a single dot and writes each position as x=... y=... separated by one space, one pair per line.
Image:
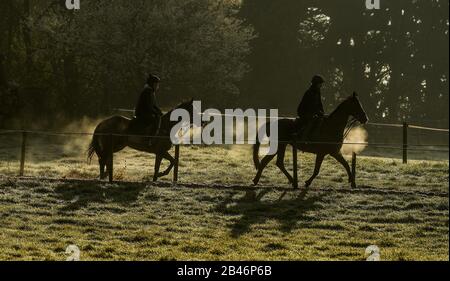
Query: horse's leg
x=280 y=163
x=107 y=152
x=319 y=160
x=102 y=164
x=266 y=160
x=157 y=166
x=351 y=179
x=108 y=166
x=168 y=157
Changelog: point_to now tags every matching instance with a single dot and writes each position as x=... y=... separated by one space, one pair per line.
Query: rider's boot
x=150 y=139
x=154 y=134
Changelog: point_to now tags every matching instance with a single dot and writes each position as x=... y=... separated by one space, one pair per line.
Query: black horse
x=116 y=133
x=327 y=140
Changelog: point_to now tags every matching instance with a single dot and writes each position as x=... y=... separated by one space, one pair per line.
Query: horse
x=327 y=140
x=116 y=133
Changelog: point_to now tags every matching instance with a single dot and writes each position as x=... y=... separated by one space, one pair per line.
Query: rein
x=349 y=127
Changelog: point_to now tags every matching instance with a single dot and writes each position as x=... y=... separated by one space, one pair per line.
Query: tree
x=396 y=57
x=97 y=58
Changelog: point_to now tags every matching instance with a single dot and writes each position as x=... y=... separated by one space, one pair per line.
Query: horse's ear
x=355 y=95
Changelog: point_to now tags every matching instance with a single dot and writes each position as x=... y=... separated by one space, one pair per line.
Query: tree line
x=89 y=61
x=228 y=53
x=395 y=57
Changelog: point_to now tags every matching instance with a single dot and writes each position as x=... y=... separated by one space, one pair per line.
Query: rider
x=310 y=110
x=147 y=112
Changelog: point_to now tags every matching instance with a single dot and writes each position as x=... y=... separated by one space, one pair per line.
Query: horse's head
x=356 y=110
x=190 y=107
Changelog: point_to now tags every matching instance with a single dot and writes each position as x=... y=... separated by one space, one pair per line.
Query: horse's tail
x=94 y=147
x=256 y=146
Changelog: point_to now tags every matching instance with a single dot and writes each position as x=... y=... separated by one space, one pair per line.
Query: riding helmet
x=317 y=79
x=153 y=79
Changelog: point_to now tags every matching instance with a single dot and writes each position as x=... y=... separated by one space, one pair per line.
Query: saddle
x=140 y=128
x=309 y=131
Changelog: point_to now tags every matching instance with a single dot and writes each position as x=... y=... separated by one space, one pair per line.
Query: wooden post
x=23 y=153
x=354 y=166
x=177 y=161
x=111 y=159
x=294 y=160
x=405 y=143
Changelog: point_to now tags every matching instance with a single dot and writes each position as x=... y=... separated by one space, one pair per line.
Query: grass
x=214 y=213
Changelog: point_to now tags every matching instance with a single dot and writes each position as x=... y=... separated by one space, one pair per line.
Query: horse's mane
x=339 y=107
x=176 y=107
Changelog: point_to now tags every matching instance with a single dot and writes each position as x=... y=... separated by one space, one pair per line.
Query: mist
x=79 y=143
x=357 y=138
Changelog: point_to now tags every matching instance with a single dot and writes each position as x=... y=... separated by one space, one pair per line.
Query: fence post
x=177 y=161
x=405 y=143
x=23 y=153
x=294 y=160
x=354 y=166
x=111 y=159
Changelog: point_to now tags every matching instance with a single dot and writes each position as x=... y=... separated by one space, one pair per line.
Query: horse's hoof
x=353 y=185
x=307 y=184
x=255 y=182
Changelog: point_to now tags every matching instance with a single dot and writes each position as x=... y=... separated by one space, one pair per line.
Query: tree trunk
x=72 y=89
x=27 y=38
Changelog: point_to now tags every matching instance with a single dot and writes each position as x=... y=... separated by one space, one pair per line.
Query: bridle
x=350 y=125
x=187 y=126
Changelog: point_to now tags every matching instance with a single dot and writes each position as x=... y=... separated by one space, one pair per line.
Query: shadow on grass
x=79 y=195
x=255 y=211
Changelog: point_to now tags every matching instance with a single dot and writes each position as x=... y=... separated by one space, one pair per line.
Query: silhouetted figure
x=104 y=145
x=328 y=141
x=147 y=112
x=310 y=110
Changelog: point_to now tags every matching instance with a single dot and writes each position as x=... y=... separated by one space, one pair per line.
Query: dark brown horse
x=116 y=133
x=327 y=140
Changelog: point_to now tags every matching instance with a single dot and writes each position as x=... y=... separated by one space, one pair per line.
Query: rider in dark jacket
x=310 y=109
x=147 y=112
